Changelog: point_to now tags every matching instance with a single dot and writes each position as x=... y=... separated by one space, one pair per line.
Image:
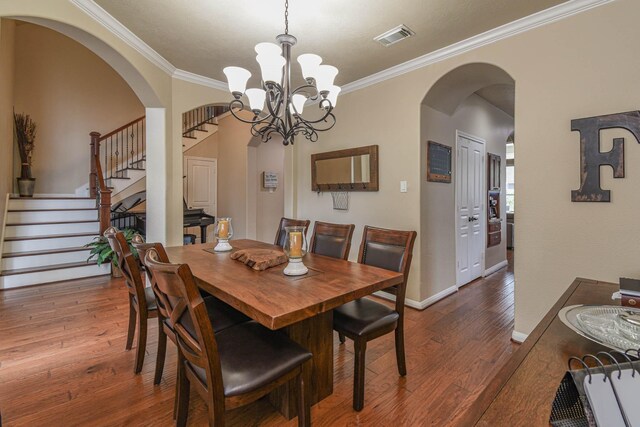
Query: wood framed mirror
x=353 y=169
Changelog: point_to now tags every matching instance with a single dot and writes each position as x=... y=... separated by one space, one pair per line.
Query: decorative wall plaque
x=591 y=158
x=438 y=162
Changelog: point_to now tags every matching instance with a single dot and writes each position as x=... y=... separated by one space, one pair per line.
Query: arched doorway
x=155 y=111
x=470 y=110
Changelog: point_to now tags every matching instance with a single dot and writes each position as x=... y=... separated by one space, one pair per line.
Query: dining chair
x=222 y=315
x=230 y=368
x=142 y=302
x=333 y=240
x=288 y=222
x=363 y=320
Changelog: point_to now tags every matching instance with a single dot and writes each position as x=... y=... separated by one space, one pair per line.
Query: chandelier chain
x=286 y=16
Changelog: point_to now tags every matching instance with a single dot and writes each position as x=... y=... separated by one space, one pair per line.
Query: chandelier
x=277 y=107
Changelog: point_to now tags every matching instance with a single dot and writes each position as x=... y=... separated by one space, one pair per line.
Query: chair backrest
x=333 y=240
x=162 y=256
x=179 y=293
x=288 y=222
x=391 y=250
x=130 y=268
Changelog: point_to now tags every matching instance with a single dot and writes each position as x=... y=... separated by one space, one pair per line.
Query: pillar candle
x=223 y=229
x=295 y=244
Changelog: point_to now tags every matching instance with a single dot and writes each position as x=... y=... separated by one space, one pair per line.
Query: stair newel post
x=105 y=210
x=93 y=176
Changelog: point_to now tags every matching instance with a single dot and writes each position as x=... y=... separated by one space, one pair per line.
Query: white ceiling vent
x=394 y=35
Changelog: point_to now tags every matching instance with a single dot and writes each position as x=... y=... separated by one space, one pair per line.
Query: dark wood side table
x=523 y=391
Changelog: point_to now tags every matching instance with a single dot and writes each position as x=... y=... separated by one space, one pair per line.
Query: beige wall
x=577 y=67
x=208 y=148
x=476 y=117
x=69 y=92
x=7 y=32
x=233 y=139
x=269 y=205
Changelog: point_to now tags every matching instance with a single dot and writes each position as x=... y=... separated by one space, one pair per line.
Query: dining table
x=300 y=306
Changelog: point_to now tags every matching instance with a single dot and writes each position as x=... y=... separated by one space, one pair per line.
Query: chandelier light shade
x=277 y=107
x=237 y=78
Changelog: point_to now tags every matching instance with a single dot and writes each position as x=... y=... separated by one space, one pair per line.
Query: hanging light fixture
x=276 y=106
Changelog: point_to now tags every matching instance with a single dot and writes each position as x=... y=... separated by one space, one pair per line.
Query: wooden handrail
x=123 y=149
x=113 y=132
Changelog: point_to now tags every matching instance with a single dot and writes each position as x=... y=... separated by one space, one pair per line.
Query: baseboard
x=420 y=305
x=518 y=337
x=495 y=268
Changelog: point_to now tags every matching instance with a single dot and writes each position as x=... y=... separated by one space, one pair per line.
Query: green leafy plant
x=25 y=129
x=102 y=252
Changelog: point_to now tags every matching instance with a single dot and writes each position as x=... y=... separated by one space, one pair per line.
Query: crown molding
x=544 y=17
x=200 y=80
x=527 y=23
x=123 y=33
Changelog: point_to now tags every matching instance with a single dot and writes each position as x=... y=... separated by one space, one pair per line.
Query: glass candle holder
x=223 y=233
x=295 y=247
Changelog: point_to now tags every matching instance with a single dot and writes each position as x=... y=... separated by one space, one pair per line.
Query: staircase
x=44 y=239
x=44 y=236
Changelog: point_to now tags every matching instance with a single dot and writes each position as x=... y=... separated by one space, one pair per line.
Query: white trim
x=114 y=26
x=4 y=225
x=190 y=77
x=544 y=17
x=483 y=191
x=420 y=305
x=518 y=337
x=513 y=28
x=498 y=266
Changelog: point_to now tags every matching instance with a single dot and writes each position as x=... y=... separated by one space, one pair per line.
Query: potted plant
x=102 y=252
x=25 y=129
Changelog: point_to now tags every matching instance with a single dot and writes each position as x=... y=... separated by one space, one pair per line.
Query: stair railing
x=195 y=119
x=121 y=149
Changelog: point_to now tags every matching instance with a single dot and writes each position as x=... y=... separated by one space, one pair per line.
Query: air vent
x=400 y=32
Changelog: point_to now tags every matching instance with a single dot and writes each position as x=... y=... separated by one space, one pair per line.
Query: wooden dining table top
x=270 y=297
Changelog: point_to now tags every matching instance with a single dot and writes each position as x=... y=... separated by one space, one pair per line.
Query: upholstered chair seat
x=252 y=356
x=363 y=317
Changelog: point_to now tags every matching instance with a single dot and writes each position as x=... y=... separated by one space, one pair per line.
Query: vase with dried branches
x=25 y=129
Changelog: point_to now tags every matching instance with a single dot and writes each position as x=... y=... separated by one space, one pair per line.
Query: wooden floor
x=63 y=363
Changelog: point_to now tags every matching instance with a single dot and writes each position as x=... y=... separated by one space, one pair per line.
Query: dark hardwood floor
x=63 y=362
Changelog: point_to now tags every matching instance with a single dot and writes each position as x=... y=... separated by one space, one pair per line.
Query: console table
x=524 y=389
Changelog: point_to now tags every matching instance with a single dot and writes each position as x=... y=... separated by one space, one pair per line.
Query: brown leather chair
x=288 y=222
x=142 y=302
x=222 y=315
x=363 y=320
x=333 y=240
x=232 y=367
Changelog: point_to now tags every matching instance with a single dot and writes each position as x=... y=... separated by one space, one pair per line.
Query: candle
x=295 y=244
x=223 y=229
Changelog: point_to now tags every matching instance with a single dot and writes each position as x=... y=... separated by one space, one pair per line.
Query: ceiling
x=503 y=96
x=204 y=36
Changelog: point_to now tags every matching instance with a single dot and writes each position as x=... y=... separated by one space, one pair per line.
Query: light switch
x=403 y=186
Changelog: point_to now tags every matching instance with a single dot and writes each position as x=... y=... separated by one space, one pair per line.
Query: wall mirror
x=354 y=169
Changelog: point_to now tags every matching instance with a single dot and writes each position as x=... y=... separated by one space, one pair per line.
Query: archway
x=156 y=126
x=474 y=102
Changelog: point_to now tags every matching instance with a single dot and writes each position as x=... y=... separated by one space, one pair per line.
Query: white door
x=200 y=189
x=469 y=209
